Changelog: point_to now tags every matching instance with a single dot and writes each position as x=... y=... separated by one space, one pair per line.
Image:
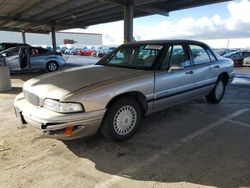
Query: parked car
x=104 y=51
x=74 y=51
x=238 y=57
x=85 y=52
x=63 y=49
x=68 y=51
x=32 y=58
x=132 y=81
x=246 y=62
x=96 y=52
x=7 y=45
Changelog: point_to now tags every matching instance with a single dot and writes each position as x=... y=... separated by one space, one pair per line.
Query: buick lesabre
x=132 y=81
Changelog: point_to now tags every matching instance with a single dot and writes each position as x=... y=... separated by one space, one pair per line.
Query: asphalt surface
x=190 y=145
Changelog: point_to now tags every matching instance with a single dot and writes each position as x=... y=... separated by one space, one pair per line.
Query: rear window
x=199 y=55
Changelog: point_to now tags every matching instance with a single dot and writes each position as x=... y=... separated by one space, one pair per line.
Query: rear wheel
x=216 y=95
x=52 y=66
x=122 y=119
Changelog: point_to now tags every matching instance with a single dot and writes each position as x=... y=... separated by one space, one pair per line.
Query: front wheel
x=216 y=95
x=122 y=119
x=52 y=66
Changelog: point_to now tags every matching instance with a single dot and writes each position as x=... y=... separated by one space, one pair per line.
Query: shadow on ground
x=24 y=76
x=219 y=157
x=13 y=91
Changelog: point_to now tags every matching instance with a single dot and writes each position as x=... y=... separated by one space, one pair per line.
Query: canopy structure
x=43 y=16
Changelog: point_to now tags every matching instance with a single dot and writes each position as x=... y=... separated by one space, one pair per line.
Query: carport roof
x=39 y=15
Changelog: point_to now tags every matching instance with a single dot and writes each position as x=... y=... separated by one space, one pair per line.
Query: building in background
x=62 y=38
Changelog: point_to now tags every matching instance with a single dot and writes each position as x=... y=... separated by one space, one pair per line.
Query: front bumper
x=53 y=124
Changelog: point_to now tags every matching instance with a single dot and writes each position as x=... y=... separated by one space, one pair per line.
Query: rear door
x=174 y=83
x=206 y=68
x=38 y=58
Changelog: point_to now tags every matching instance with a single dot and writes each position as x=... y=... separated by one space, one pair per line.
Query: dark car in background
x=238 y=57
x=106 y=51
x=7 y=45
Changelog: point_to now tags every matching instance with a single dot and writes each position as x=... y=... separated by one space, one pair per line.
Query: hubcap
x=219 y=89
x=125 y=120
x=52 y=66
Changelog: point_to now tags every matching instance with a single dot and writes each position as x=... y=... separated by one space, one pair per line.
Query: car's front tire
x=216 y=95
x=52 y=66
x=122 y=119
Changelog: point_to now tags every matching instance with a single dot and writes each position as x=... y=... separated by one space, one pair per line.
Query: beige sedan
x=132 y=81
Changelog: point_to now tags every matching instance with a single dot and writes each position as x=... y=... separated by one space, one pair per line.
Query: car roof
x=168 y=41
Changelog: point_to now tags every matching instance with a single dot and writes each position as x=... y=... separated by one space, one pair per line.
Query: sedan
x=132 y=81
x=238 y=57
x=32 y=58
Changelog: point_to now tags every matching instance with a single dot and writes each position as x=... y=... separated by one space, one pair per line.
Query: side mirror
x=4 y=54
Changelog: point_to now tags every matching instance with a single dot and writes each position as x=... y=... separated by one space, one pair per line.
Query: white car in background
x=246 y=62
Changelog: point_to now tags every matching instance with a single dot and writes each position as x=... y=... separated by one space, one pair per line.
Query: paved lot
x=190 y=145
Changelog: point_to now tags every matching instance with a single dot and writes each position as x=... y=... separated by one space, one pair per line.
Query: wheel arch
x=224 y=76
x=138 y=96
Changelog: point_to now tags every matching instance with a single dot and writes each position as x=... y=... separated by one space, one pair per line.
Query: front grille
x=32 y=98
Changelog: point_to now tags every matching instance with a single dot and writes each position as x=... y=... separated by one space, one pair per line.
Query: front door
x=12 y=59
x=24 y=58
x=174 y=83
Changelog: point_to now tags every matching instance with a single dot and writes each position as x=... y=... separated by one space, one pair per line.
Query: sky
x=220 y=24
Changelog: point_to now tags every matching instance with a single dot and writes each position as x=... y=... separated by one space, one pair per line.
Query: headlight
x=62 y=107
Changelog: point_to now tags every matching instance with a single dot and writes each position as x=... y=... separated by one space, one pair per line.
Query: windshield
x=137 y=56
x=2 y=47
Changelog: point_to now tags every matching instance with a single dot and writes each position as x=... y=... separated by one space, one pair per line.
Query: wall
x=82 y=39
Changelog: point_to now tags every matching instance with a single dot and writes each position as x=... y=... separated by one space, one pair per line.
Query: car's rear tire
x=52 y=66
x=217 y=93
x=122 y=119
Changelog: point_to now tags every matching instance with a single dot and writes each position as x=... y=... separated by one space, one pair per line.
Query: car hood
x=58 y=85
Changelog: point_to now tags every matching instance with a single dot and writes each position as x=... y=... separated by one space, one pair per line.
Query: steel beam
x=53 y=37
x=24 y=37
x=128 y=22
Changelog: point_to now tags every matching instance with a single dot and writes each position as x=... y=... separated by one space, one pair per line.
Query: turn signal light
x=68 y=131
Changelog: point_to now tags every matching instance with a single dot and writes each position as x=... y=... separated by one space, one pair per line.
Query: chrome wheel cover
x=125 y=120
x=52 y=67
x=219 y=90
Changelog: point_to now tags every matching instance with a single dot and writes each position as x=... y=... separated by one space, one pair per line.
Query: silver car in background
x=132 y=81
x=32 y=58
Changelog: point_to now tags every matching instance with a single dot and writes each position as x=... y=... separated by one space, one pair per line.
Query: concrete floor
x=190 y=145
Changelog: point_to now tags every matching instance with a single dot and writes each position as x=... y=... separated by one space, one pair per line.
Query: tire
x=122 y=119
x=216 y=95
x=52 y=66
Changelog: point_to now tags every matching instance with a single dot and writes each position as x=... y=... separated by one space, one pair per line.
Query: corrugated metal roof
x=39 y=15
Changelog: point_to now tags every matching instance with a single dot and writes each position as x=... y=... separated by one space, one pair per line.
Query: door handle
x=216 y=66
x=190 y=72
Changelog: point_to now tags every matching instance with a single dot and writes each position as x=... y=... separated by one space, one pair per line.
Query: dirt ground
x=190 y=145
